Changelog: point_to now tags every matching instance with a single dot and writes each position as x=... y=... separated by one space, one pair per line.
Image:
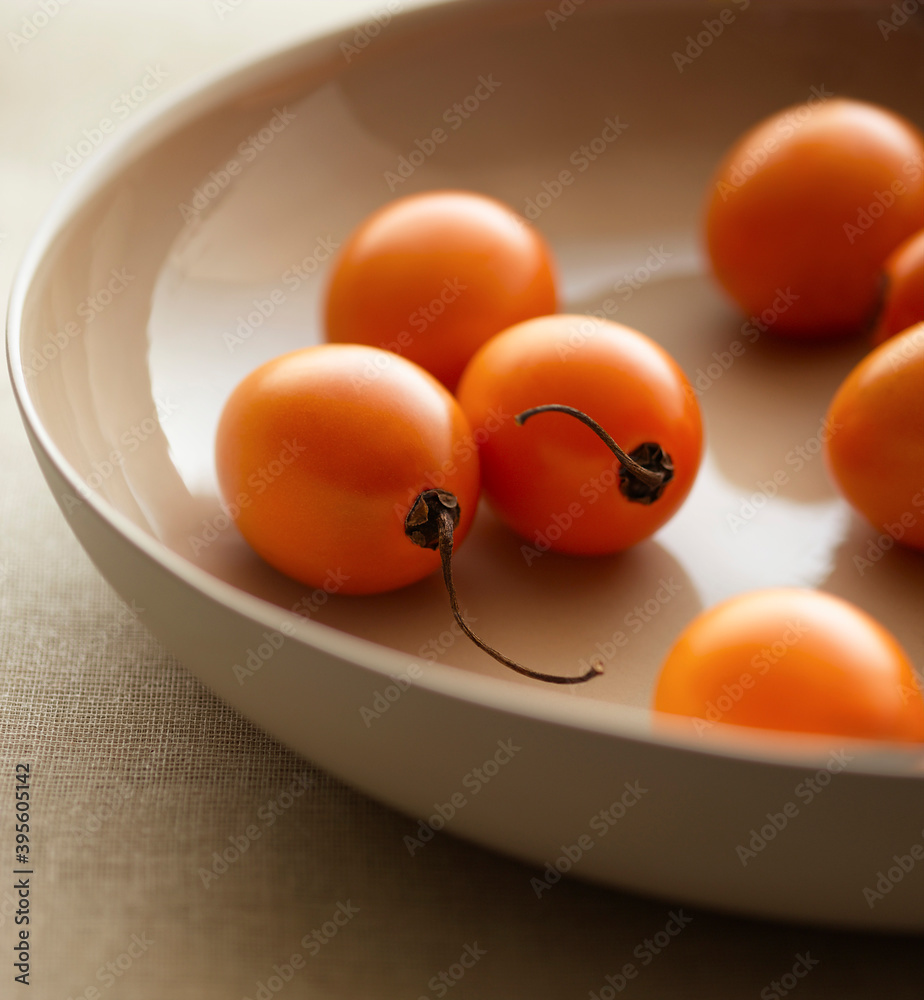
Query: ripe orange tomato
x=432 y=276
x=903 y=302
x=805 y=208
x=875 y=453
x=552 y=480
x=321 y=454
x=796 y=660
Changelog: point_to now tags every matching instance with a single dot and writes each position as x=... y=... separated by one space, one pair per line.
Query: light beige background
x=140 y=775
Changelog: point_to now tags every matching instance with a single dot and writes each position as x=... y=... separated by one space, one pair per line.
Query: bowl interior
x=204 y=250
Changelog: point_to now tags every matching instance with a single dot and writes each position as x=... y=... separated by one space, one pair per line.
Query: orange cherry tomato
x=796 y=660
x=875 y=453
x=552 y=480
x=322 y=452
x=806 y=207
x=432 y=276
x=903 y=303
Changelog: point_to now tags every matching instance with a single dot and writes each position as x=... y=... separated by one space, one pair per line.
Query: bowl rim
x=196 y=97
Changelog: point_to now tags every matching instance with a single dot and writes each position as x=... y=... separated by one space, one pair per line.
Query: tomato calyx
x=646 y=470
x=422 y=524
x=430 y=524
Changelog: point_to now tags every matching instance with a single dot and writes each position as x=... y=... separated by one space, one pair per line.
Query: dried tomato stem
x=436 y=509
x=652 y=477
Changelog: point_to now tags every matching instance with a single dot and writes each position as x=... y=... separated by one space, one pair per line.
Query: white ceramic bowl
x=196 y=250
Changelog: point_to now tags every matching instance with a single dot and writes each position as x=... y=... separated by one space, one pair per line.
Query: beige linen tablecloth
x=177 y=851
